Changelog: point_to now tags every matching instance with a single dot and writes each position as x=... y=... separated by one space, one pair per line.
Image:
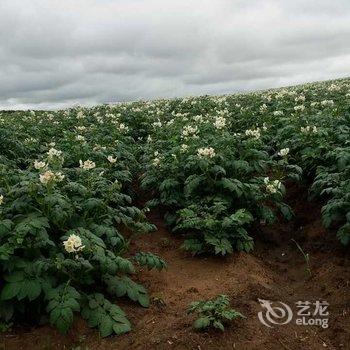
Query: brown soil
x=274 y=271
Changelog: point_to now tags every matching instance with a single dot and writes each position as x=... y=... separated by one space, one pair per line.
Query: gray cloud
x=55 y=53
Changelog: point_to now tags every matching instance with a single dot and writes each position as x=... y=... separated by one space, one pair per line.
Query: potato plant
x=216 y=166
x=213 y=313
x=62 y=247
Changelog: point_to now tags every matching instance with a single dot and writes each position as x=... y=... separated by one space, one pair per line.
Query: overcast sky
x=58 y=53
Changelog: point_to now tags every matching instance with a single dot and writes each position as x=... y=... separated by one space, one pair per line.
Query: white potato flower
x=334 y=87
x=170 y=122
x=39 y=165
x=52 y=152
x=59 y=176
x=189 y=130
x=156 y=162
x=198 y=118
x=272 y=186
x=309 y=129
x=111 y=159
x=123 y=127
x=73 y=244
x=300 y=108
x=263 y=108
x=327 y=103
x=87 y=165
x=1 y=199
x=300 y=98
x=255 y=133
x=46 y=177
x=220 y=122
x=80 y=128
x=277 y=183
x=50 y=176
x=283 y=152
x=157 y=124
x=184 y=148
x=80 y=115
x=207 y=152
x=80 y=138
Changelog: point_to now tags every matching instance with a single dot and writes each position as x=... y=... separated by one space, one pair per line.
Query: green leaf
x=201 y=323
x=343 y=234
x=34 y=289
x=286 y=211
x=6 y=310
x=193 y=245
x=121 y=328
x=221 y=245
x=63 y=302
x=106 y=316
x=219 y=325
x=106 y=326
x=10 y=290
x=150 y=260
x=121 y=286
x=233 y=185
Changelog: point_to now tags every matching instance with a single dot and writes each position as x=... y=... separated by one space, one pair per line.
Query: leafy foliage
x=213 y=313
x=107 y=317
x=60 y=225
x=121 y=286
x=151 y=261
x=63 y=302
x=217 y=166
x=333 y=182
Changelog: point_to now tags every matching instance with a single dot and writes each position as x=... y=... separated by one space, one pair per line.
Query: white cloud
x=56 y=53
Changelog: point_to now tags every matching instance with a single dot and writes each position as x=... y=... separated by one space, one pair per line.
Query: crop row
x=217 y=166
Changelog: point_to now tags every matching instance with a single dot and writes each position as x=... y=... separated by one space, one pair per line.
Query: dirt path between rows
x=274 y=271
